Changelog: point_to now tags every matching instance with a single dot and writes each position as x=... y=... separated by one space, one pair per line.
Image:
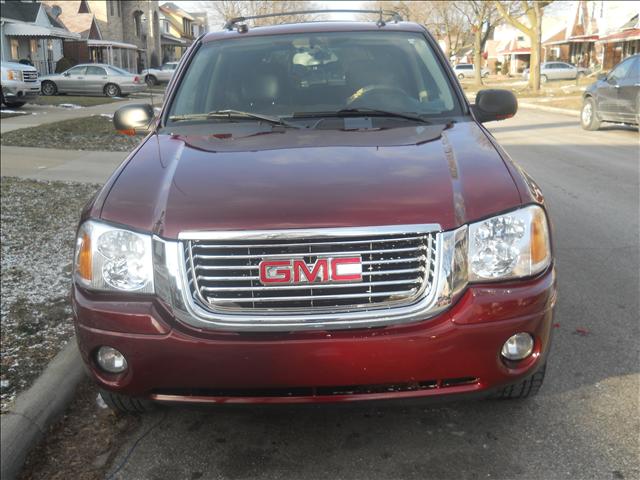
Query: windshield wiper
x=358 y=112
x=232 y=115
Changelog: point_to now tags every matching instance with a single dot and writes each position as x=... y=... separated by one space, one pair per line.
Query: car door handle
x=80 y=78
x=105 y=78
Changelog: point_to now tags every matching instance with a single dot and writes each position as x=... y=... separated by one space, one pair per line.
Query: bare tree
x=442 y=18
x=514 y=13
x=228 y=9
x=481 y=16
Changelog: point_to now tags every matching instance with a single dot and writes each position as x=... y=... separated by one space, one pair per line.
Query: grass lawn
x=76 y=100
x=571 y=103
x=87 y=133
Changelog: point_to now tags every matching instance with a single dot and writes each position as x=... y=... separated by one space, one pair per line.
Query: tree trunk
x=536 y=51
x=477 y=56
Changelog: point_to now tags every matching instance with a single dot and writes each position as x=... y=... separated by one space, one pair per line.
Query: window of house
x=137 y=18
x=118 y=8
x=111 y=7
x=165 y=26
x=15 y=46
x=84 y=7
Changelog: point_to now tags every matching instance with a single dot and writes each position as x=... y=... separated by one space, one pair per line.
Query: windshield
x=294 y=75
x=119 y=71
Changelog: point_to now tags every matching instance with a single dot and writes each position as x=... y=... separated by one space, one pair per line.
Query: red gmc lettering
x=270 y=274
x=324 y=270
x=299 y=266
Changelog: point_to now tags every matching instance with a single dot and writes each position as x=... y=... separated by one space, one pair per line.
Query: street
x=583 y=424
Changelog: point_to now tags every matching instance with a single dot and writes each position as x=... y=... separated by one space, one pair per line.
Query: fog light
x=518 y=346
x=111 y=360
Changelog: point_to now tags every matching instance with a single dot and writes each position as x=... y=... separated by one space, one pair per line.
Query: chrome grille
x=29 y=75
x=398 y=269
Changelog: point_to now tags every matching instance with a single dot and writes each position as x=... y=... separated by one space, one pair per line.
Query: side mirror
x=494 y=105
x=601 y=76
x=132 y=119
x=66 y=74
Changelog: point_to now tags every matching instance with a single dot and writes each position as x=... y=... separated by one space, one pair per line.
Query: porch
x=35 y=44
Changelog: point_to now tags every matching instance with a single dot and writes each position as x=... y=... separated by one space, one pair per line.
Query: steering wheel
x=364 y=94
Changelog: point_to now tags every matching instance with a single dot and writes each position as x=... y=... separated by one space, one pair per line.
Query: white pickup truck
x=19 y=84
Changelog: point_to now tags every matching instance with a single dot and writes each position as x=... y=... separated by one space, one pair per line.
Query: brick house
x=124 y=34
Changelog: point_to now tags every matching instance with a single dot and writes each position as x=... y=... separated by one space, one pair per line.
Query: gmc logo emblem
x=324 y=270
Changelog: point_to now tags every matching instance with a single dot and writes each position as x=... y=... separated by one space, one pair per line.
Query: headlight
x=113 y=259
x=14 y=75
x=512 y=245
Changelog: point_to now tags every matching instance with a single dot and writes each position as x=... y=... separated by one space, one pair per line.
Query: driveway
x=584 y=423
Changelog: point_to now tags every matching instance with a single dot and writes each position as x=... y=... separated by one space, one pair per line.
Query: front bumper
x=455 y=352
x=19 y=91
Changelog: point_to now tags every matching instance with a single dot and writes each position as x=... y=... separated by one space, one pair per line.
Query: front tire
x=151 y=80
x=48 y=88
x=460 y=76
x=588 y=115
x=125 y=404
x=543 y=79
x=112 y=90
x=525 y=389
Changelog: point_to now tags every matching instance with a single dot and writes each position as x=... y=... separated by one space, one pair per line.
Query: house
x=179 y=28
x=597 y=35
x=514 y=47
x=30 y=32
x=124 y=34
x=621 y=44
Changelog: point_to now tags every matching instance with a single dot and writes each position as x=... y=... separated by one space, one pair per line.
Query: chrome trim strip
x=172 y=285
x=309 y=233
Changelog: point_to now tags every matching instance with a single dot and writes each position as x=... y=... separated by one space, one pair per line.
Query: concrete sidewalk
x=65 y=165
x=41 y=114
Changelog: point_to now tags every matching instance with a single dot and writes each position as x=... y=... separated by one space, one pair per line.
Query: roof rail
x=393 y=15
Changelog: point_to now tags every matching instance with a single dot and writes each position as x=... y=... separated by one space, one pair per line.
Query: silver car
x=557 y=71
x=93 y=78
x=161 y=74
x=467 y=70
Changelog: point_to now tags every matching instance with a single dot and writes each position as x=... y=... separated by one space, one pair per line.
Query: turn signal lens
x=540 y=250
x=83 y=257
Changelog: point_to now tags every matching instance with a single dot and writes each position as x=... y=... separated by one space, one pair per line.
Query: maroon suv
x=316 y=215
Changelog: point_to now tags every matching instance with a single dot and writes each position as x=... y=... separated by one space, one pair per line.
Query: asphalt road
x=583 y=424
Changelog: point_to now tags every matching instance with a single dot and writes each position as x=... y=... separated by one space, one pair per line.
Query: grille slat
x=255 y=277
x=309 y=286
x=306 y=244
x=310 y=297
x=199 y=256
x=397 y=269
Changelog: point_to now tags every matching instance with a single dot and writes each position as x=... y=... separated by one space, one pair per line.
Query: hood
x=17 y=66
x=311 y=179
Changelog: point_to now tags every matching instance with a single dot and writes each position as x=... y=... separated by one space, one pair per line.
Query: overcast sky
x=204 y=6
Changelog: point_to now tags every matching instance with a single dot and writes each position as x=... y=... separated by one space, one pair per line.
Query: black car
x=614 y=97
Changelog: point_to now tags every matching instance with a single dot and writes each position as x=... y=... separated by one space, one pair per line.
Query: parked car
x=162 y=74
x=19 y=84
x=94 y=79
x=614 y=97
x=558 y=71
x=467 y=70
x=316 y=228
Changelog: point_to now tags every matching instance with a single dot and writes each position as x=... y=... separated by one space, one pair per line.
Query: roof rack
x=393 y=15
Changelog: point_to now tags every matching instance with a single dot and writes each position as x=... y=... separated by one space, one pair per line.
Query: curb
x=38 y=407
x=563 y=111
